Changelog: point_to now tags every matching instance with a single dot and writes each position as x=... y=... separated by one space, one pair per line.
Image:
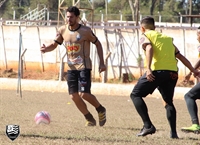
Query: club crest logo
x=78 y=37
x=12 y=131
x=142 y=39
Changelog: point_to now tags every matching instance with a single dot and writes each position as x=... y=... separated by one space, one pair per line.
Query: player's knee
x=186 y=96
x=132 y=96
x=164 y=103
x=84 y=96
x=170 y=106
x=75 y=97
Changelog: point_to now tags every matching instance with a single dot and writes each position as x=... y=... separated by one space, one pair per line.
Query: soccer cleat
x=195 y=128
x=174 y=135
x=90 y=123
x=102 y=117
x=145 y=131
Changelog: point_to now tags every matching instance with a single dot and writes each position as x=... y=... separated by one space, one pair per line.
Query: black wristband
x=57 y=42
x=177 y=52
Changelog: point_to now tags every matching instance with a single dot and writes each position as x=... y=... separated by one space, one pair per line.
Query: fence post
x=159 y=15
x=42 y=65
x=21 y=65
x=181 y=19
x=4 y=48
x=62 y=64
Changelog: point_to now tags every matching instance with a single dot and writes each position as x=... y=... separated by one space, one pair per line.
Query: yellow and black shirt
x=163 y=50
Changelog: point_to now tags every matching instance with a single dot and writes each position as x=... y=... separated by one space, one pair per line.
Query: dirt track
x=97 y=88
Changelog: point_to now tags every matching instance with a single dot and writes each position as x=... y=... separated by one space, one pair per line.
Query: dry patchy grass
x=67 y=125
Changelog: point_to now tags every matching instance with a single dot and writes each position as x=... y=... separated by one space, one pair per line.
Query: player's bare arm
x=196 y=66
x=185 y=61
x=48 y=48
x=53 y=45
x=149 y=56
x=102 y=66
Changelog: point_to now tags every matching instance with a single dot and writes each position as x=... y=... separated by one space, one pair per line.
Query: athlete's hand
x=43 y=48
x=187 y=78
x=102 y=68
x=196 y=73
x=149 y=75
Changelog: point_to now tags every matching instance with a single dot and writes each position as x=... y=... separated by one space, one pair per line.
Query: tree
x=98 y=3
x=130 y=9
x=153 y=2
x=135 y=10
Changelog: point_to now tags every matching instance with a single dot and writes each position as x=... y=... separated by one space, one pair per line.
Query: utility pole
x=190 y=12
x=106 y=9
x=137 y=9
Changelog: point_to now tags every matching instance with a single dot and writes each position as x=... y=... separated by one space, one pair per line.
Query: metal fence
x=101 y=17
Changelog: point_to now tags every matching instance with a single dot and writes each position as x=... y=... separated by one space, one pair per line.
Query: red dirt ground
x=51 y=75
x=30 y=74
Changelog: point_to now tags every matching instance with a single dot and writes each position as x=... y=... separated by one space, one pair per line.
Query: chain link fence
x=128 y=17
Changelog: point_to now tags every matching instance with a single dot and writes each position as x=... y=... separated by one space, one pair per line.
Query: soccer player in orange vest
x=77 y=38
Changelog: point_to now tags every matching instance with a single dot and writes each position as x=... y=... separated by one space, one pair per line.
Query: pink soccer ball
x=42 y=117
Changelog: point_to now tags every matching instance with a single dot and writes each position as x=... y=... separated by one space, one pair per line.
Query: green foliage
x=115 y=6
x=99 y=3
x=22 y=7
x=167 y=8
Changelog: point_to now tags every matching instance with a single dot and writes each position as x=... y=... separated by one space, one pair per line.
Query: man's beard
x=71 y=23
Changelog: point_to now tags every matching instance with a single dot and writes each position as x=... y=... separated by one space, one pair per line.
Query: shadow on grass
x=83 y=138
x=129 y=128
x=192 y=138
x=46 y=137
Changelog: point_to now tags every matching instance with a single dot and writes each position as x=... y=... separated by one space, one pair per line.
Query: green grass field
x=67 y=123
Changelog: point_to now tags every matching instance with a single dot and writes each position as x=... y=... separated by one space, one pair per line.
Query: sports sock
x=142 y=110
x=89 y=116
x=192 y=108
x=100 y=108
x=171 y=117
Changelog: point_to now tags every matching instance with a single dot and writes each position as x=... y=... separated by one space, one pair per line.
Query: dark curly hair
x=73 y=9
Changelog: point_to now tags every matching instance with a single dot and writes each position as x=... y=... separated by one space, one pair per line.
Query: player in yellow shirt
x=161 y=73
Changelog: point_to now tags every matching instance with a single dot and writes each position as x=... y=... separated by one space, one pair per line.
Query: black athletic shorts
x=165 y=81
x=79 y=81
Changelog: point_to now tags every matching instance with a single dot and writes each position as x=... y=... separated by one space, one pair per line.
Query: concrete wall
x=119 y=41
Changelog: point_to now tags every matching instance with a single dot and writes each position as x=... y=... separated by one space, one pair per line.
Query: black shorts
x=165 y=81
x=79 y=81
